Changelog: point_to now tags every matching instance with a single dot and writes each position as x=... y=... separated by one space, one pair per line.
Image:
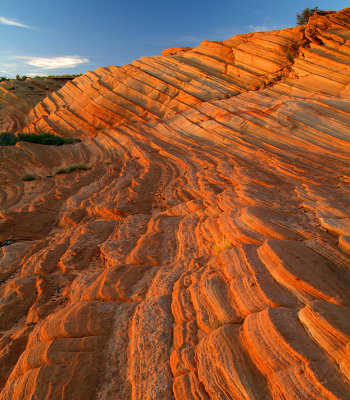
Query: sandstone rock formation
x=205 y=254
x=17 y=98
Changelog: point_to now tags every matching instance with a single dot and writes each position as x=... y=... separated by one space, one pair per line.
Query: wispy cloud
x=258 y=28
x=11 y=64
x=34 y=74
x=262 y=28
x=56 y=62
x=11 y=22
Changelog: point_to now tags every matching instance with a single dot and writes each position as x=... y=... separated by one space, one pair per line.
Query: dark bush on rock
x=10 y=139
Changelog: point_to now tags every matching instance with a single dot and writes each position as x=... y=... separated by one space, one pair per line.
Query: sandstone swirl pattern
x=17 y=98
x=206 y=253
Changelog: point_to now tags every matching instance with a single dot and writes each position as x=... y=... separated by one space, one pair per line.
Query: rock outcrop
x=18 y=97
x=206 y=252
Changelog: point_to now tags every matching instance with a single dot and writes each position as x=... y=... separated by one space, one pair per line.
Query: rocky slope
x=205 y=254
x=17 y=98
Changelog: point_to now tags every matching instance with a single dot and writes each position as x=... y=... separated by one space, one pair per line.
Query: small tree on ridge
x=304 y=16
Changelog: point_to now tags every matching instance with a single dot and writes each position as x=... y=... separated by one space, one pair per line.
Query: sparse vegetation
x=216 y=324
x=46 y=138
x=66 y=77
x=28 y=177
x=304 y=16
x=7 y=242
x=107 y=162
x=71 y=168
x=218 y=247
x=7 y=139
x=21 y=77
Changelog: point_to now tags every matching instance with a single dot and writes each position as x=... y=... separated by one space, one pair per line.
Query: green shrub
x=10 y=139
x=107 y=162
x=303 y=17
x=43 y=138
x=7 y=242
x=7 y=139
x=21 y=78
x=28 y=177
x=71 y=168
x=65 y=77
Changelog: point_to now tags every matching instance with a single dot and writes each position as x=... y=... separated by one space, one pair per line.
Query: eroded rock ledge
x=206 y=253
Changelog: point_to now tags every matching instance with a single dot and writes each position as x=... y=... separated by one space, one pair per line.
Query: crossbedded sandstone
x=205 y=253
x=17 y=98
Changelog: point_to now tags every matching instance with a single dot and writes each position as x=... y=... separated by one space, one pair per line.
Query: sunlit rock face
x=18 y=97
x=206 y=252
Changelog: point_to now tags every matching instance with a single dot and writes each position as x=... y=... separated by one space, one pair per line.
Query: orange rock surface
x=17 y=98
x=206 y=252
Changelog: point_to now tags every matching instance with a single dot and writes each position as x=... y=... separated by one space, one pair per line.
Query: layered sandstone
x=205 y=254
x=17 y=98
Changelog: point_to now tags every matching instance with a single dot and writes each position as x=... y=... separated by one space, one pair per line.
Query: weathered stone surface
x=206 y=253
x=17 y=98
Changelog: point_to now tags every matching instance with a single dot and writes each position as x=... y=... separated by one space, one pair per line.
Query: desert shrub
x=43 y=138
x=28 y=177
x=304 y=16
x=218 y=247
x=216 y=324
x=107 y=162
x=7 y=242
x=21 y=78
x=66 y=77
x=7 y=139
x=10 y=139
x=71 y=168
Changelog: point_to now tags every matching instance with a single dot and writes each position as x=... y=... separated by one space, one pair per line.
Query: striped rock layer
x=206 y=252
x=18 y=97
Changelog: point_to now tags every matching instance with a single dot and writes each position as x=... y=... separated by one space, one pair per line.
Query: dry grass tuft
x=218 y=247
x=71 y=168
x=27 y=177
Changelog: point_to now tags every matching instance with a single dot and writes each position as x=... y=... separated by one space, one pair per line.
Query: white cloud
x=34 y=74
x=56 y=62
x=258 y=28
x=6 y=21
x=261 y=28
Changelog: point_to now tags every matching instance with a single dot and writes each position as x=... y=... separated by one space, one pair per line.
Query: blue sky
x=41 y=37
